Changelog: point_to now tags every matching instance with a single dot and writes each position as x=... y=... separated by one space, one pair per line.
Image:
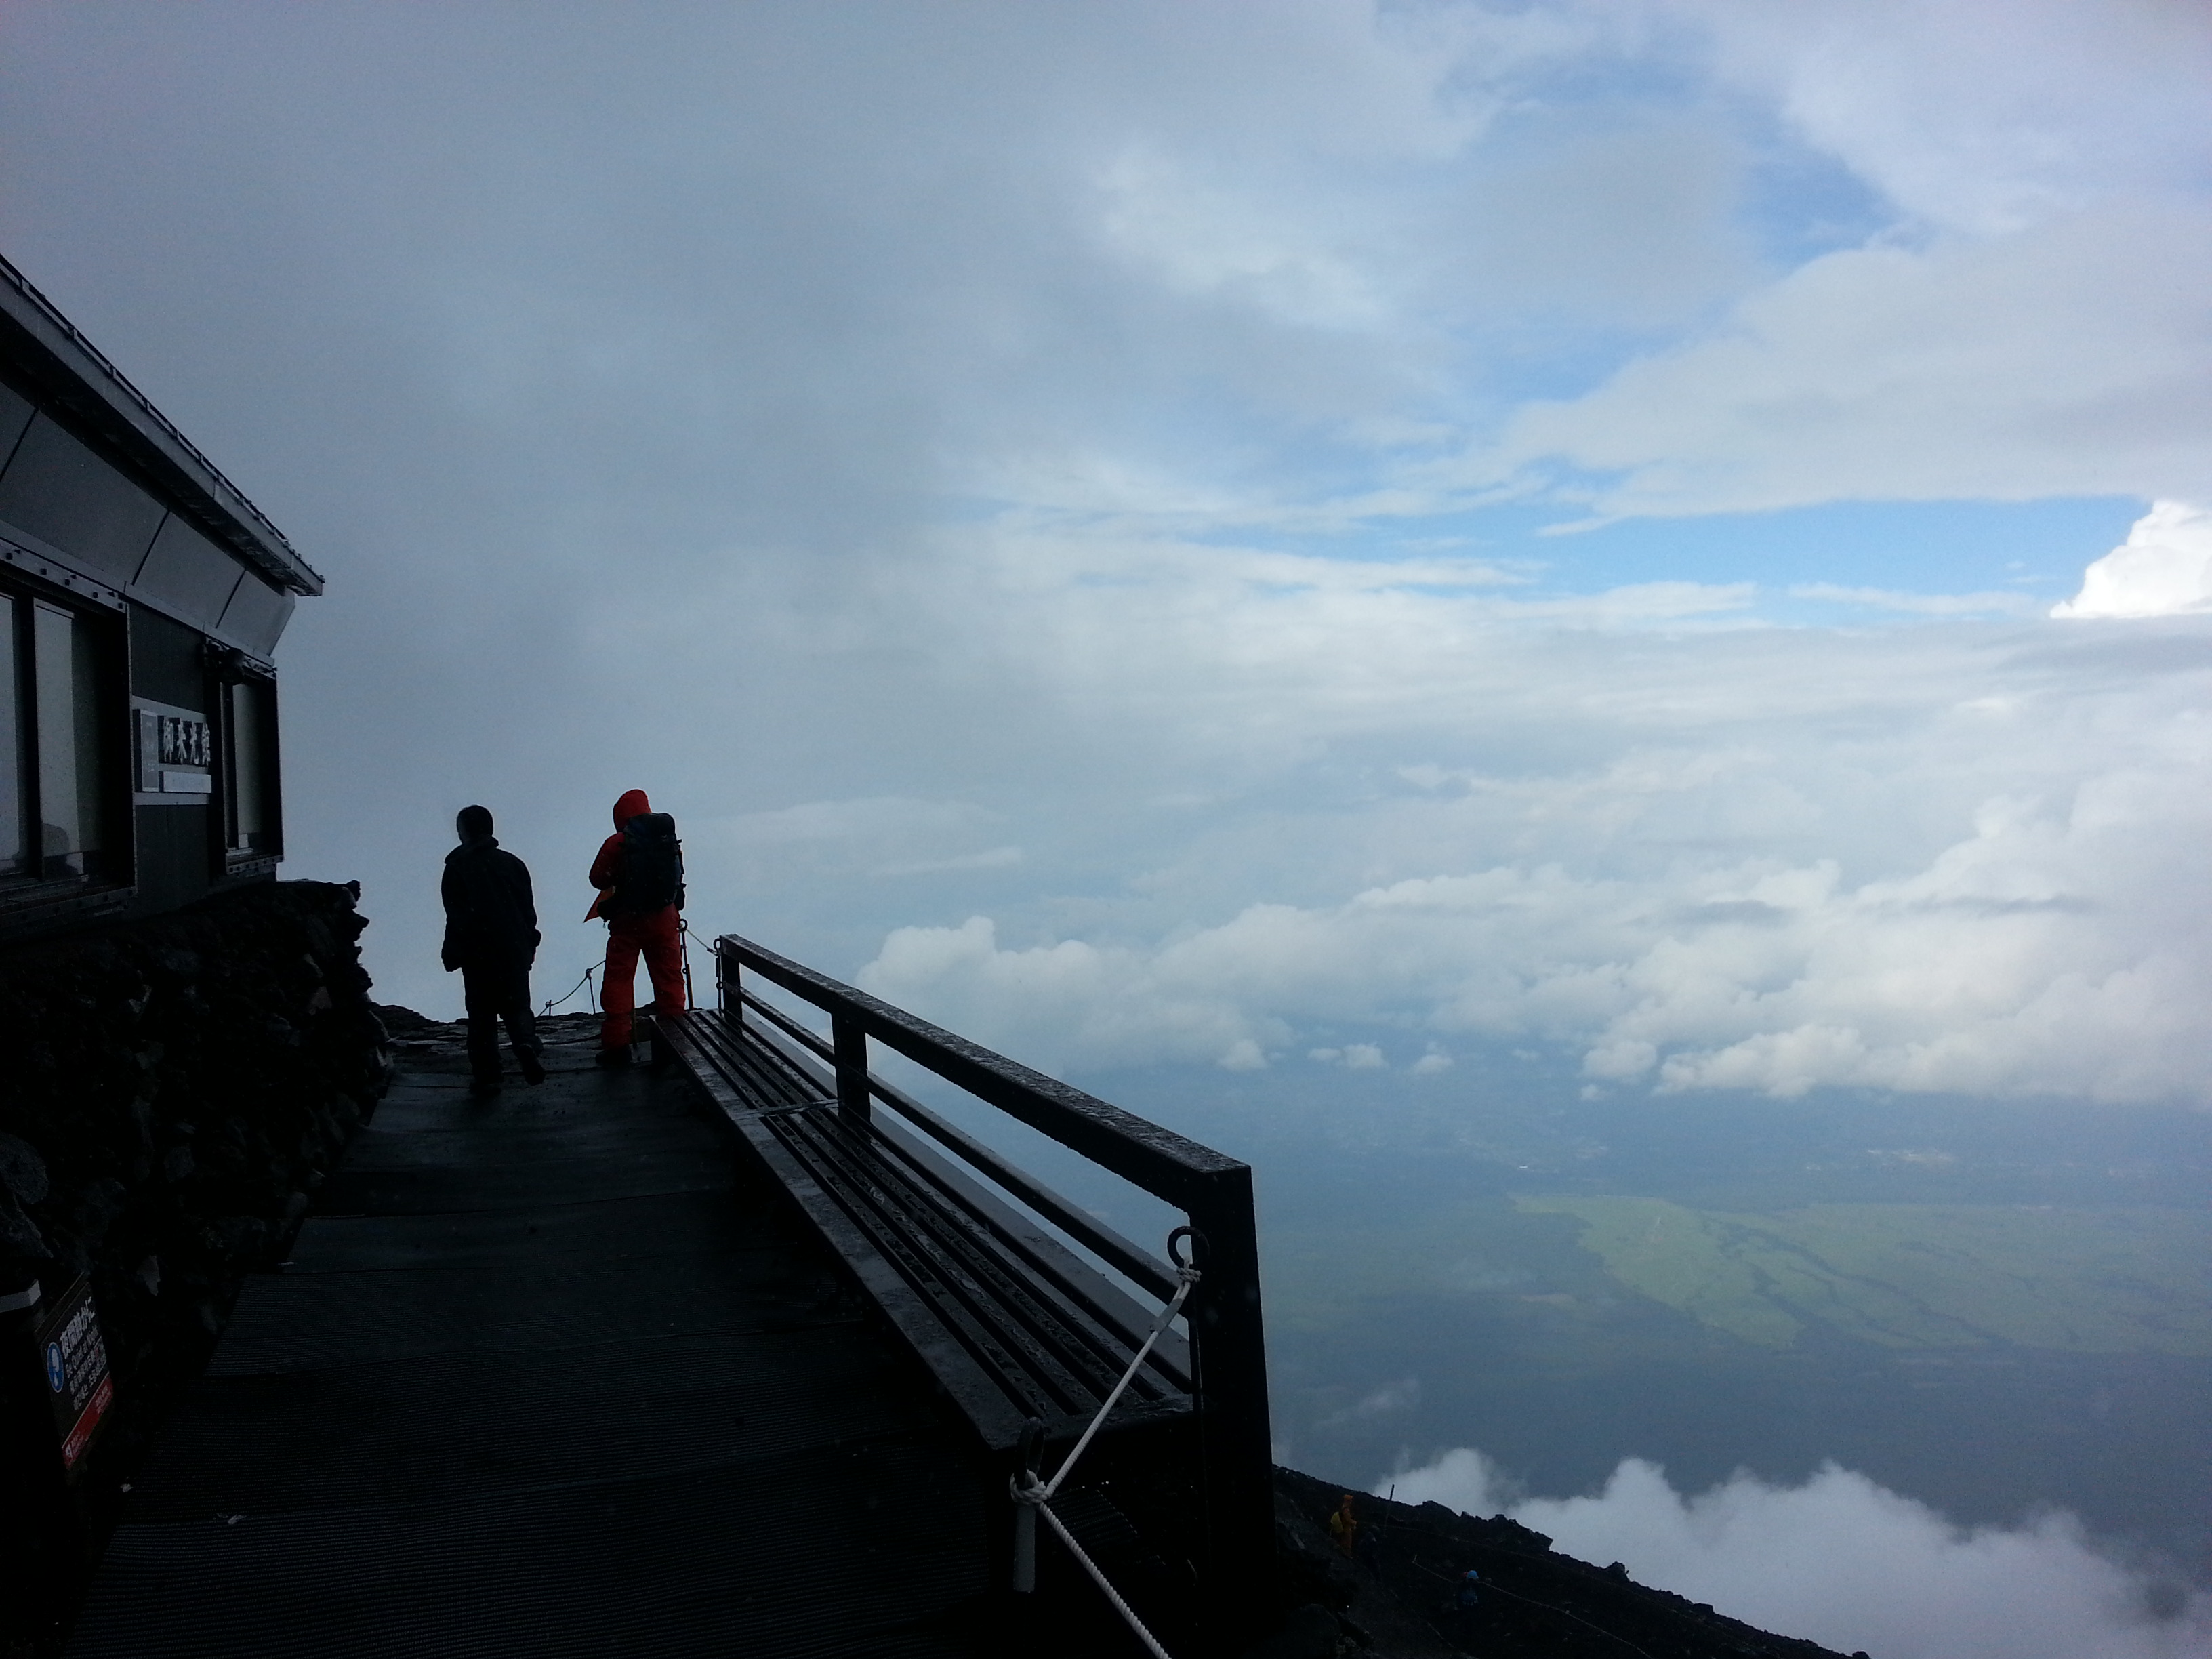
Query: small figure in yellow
x=1344 y=1527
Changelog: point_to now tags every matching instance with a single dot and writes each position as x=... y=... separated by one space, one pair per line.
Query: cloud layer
x=2163 y=569
x=1032 y=464
x=1955 y=860
x=1846 y=1563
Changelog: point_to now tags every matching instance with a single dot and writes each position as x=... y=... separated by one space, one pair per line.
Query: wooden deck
x=544 y=1378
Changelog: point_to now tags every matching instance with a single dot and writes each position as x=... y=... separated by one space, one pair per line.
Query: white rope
x=1189 y=1277
x=1099 y=1579
x=1033 y=1498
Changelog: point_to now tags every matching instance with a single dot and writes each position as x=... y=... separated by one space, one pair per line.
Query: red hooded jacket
x=604 y=868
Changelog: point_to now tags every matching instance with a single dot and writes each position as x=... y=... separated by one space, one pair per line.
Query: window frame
x=232 y=670
x=100 y=623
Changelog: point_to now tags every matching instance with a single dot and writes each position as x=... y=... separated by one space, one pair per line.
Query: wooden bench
x=1012 y=1323
x=972 y=1262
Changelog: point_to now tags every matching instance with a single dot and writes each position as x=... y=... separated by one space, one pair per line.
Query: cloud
x=1979 y=115
x=2163 y=569
x=2005 y=316
x=1390 y=1400
x=1098 y=1004
x=1845 y=1562
x=1955 y=862
x=991 y=858
x=1918 y=605
x=2060 y=359
x=965 y=461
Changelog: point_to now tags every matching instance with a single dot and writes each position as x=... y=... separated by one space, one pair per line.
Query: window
x=249 y=768
x=15 y=787
x=56 y=794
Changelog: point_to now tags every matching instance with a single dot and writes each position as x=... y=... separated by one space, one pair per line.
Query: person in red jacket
x=639 y=922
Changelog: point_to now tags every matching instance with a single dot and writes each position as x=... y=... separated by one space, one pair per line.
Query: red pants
x=655 y=934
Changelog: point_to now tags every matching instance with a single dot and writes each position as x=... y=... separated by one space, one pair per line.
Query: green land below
x=2088 y=1281
x=1916 y=1275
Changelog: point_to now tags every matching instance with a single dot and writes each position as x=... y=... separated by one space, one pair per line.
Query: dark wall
x=15 y=416
x=174 y=845
x=173 y=857
x=177 y=1088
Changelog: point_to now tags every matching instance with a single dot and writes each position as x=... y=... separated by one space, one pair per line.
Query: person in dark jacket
x=633 y=929
x=491 y=938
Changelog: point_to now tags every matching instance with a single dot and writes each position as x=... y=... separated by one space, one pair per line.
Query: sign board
x=77 y=1383
x=176 y=755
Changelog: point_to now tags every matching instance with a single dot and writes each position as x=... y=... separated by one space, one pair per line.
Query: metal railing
x=1214 y=1191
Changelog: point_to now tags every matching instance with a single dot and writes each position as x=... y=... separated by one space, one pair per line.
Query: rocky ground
x=1393 y=1599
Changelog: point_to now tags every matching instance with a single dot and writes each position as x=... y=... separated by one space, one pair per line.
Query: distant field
x=2107 y=1281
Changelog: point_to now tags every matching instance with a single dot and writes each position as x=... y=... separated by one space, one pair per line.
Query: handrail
x=1228 y=1347
x=1124 y=1255
x=1162 y=1162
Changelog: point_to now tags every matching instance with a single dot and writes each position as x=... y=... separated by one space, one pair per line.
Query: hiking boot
x=484 y=1087
x=613 y=1057
x=533 y=1069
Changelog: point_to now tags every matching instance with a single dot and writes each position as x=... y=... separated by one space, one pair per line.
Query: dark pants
x=493 y=993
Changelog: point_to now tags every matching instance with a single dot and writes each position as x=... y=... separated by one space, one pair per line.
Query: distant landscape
x=1971 y=1303
x=1912 y=1276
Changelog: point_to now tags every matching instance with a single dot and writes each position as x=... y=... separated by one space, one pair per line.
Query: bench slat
x=1012 y=1323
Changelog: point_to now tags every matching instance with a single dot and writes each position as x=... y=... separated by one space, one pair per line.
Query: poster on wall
x=77 y=1370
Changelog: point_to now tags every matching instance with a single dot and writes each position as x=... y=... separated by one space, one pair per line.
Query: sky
x=1673 y=537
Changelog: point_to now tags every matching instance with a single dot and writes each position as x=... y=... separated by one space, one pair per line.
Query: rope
x=1032 y=1498
x=1099 y=1579
x=572 y=991
x=1490 y=1584
x=1188 y=1275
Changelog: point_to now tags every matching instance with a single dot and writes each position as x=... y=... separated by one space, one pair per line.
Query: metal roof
x=72 y=372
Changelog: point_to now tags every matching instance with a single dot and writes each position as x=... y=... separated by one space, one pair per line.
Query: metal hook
x=1197 y=1243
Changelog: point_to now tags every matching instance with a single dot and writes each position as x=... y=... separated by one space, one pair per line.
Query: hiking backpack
x=650 y=874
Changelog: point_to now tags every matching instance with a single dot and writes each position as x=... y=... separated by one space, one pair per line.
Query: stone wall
x=176 y=1089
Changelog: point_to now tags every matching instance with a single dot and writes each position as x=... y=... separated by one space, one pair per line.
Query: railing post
x=848 y=1042
x=1229 y=1350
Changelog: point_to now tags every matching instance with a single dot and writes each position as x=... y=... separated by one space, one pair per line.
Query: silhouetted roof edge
x=76 y=374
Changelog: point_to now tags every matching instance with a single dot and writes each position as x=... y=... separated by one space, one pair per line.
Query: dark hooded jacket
x=491 y=919
x=606 y=868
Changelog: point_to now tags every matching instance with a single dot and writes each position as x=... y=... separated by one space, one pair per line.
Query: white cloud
x=2062 y=359
x=667 y=424
x=1981 y=115
x=1243 y=1055
x=2020 y=962
x=1956 y=860
x=1841 y=1561
x=1388 y=1401
x=991 y=858
x=1918 y=605
x=2163 y=569
x=1098 y=1004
